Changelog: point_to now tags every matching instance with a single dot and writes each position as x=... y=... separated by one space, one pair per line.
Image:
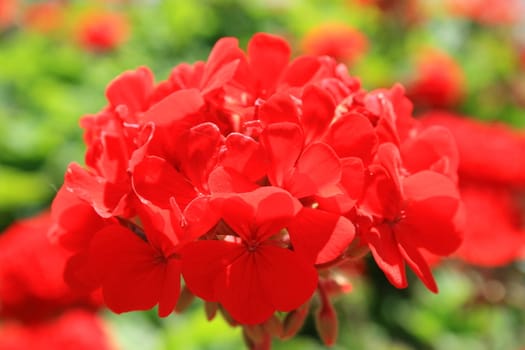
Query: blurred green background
x=50 y=76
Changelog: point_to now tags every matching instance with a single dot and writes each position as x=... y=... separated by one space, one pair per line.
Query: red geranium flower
x=251 y=271
x=413 y=213
x=248 y=173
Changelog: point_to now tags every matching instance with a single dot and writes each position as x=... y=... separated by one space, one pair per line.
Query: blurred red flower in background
x=341 y=41
x=488 y=11
x=31 y=271
x=101 y=30
x=438 y=80
x=74 y=329
x=37 y=309
x=44 y=17
x=8 y=10
x=492 y=184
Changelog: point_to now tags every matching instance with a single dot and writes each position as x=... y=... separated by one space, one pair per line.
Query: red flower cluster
x=246 y=175
x=37 y=309
x=492 y=184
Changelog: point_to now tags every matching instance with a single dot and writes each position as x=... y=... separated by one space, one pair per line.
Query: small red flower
x=338 y=40
x=438 y=80
x=252 y=273
x=8 y=9
x=488 y=11
x=414 y=213
x=101 y=31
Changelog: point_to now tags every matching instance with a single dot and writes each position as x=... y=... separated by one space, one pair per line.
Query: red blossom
x=337 y=40
x=101 y=31
x=31 y=271
x=485 y=149
x=487 y=11
x=413 y=211
x=75 y=329
x=252 y=274
x=438 y=80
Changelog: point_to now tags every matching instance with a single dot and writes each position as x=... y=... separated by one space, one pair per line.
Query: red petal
x=268 y=56
x=419 y=265
x=245 y=155
x=103 y=196
x=301 y=70
x=279 y=108
x=251 y=286
x=317 y=169
x=203 y=265
x=352 y=135
x=156 y=181
x=228 y=181
x=386 y=254
x=221 y=65
x=135 y=274
x=75 y=221
x=258 y=214
x=132 y=89
x=175 y=107
x=198 y=149
x=283 y=143
x=432 y=201
x=435 y=149
x=318 y=112
x=320 y=236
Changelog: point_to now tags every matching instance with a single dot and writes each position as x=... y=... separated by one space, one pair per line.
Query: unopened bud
x=210 y=308
x=256 y=333
x=273 y=326
x=226 y=315
x=326 y=320
x=264 y=340
x=294 y=321
x=185 y=299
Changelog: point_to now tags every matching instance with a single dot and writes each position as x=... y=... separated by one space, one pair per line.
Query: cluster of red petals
x=338 y=40
x=101 y=30
x=492 y=184
x=38 y=310
x=488 y=11
x=438 y=81
x=247 y=173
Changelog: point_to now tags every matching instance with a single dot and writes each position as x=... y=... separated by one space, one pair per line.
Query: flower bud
x=210 y=308
x=294 y=321
x=274 y=326
x=185 y=299
x=326 y=320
